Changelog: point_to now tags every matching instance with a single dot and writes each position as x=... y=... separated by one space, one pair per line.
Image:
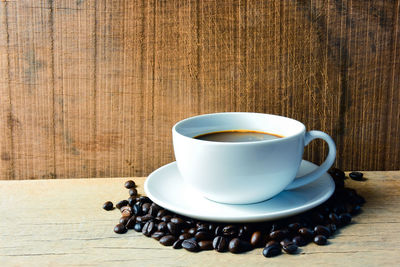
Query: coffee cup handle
x=314 y=175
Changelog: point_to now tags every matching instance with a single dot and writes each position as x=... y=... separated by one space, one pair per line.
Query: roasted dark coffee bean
x=149 y=228
x=177 y=221
x=332 y=227
x=108 y=205
x=167 y=240
x=154 y=210
x=211 y=228
x=184 y=230
x=205 y=245
x=334 y=218
x=126 y=208
x=275 y=226
x=218 y=230
x=157 y=235
x=121 y=203
x=244 y=233
x=161 y=213
x=120 y=229
x=129 y=184
x=137 y=209
x=190 y=223
x=185 y=236
x=220 y=244
x=299 y=241
x=345 y=218
x=272 y=251
x=322 y=230
x=203 y=236
x=131 y=201
x=339 y=209
x=190 y=245
x=178 y=244
x=202 y=228
x=124 y=220
x=306 y=233
x=293 y=227
x=278 y=235
x=131 y=223
x=138 y=227
x=144 y=218
x=257 y=239
x=355 y=210
x=337 y=173
x=238 y=246
x=144 y=199
x=320 y=240
x=162 y=226
x=166 y=218
x=317 y=218
x=145 y=208
x=192 y=231
x=290 y=248
x=285 y=242
x=272 y=243
x=173 y=228
x=230 y=231
x=357 y=176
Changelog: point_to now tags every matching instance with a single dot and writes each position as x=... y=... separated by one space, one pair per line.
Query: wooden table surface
x=61 y=222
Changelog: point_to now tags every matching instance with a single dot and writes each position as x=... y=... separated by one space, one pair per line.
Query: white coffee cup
x=245 y=172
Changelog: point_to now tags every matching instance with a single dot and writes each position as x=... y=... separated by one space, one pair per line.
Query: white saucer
x=166 y=187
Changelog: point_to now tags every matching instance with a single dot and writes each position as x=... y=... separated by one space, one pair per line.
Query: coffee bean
x=205 y=245
x=337 y=173
x=230 y=231
x=144 y=218
x=168 y=240
x=161 y=213
x=322 y=230
x=166 y=218
x=178 y=221
x=162 y=226
x=357 y=176
x=122 y=203
x=211 y=228
x=126 y=211
x=138 y=227
x=157 y=235
x=120 y=229
x=153 y=211
x=320 y=240
x=355 y=210
x=131 y=223
x=149 y=228
x=190 y=245
x=244 y=232
x=294 y=227
x=272 y=243
x=345 y=218
x=290 y=248
x=317 y=218
x=131 y=201
x=238 y=246
x=339 y=209
x=178 y=244
x=108 y=205
x=185 y=236
x=218 y=230
x=124 y=220
x=257 y=239
x=173 y=228
x=129 y=184
x=272 y=251
x=145 y=208
x=144 y=199
x=285 y=242
x=137 y=209
x=278 y=235
x=275 y=226
x=306 y=233
x=220 y=244
x=203 y=236
x=334 y=218
x=202 y=228
x=192 y=231
x=299 y=241
x=332 y=227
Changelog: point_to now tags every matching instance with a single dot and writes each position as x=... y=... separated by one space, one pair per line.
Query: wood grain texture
x=92 y=88
x=61 y=222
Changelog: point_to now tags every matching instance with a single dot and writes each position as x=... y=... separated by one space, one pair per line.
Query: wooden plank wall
x=92 y=88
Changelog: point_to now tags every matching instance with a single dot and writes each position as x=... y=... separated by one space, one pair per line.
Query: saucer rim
x=248 y=218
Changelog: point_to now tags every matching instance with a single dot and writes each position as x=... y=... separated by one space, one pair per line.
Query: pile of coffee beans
x=169 y=229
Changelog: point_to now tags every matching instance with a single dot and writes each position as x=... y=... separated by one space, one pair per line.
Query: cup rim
x=283 y=139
